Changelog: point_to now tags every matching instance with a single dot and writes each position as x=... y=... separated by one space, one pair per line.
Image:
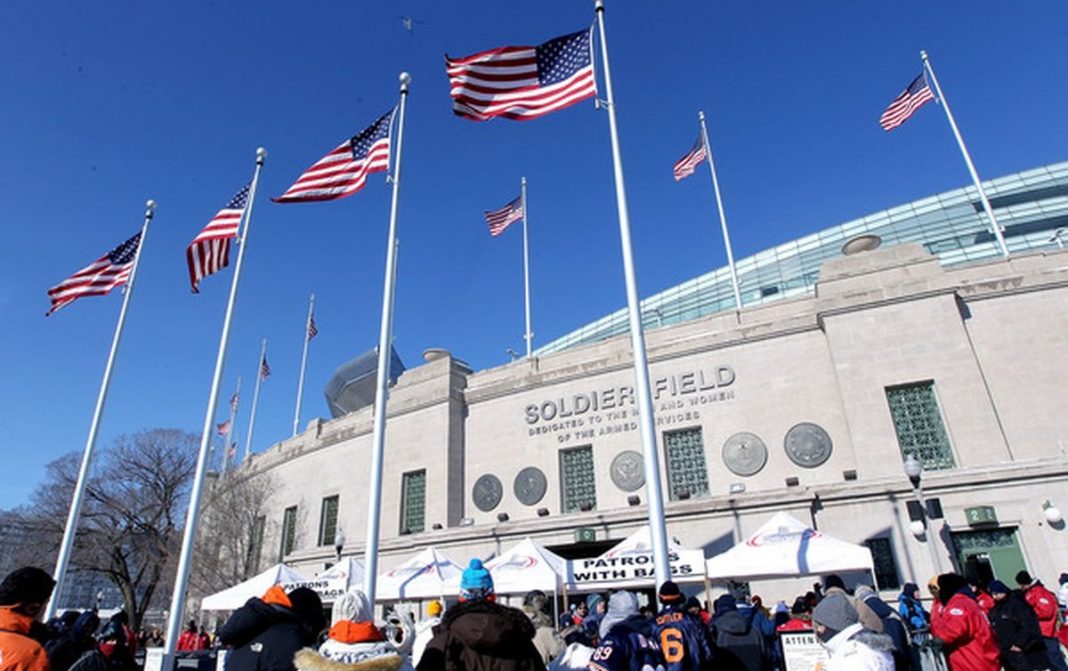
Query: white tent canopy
x=629 y=563
x=334 y=581
x=527 y=566
x=785 y=547
x=428 y=575
x=641 y=541
x=234 y=597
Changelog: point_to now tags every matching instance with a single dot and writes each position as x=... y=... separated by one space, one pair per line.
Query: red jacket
x=19 y=652
x=985 y=601
x=964 y=629
x=189 y=640
x=1044 y=603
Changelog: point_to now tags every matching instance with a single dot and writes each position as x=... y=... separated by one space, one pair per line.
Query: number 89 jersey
x=683 y=641
x=627 y=648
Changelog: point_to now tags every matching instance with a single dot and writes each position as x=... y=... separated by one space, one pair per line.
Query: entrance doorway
x=987 y=554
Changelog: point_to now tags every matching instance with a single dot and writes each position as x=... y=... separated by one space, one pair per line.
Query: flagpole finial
x=150 y=206
x=598 y=5
x=923 y=54
x=405 y=79
x=261 y=155
x=700 y=115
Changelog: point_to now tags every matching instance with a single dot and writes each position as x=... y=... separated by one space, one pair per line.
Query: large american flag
x=209 y=252
x=522 y=82
x=344 y=170
x=223 y=429
x=313 y=330
x=265 y=368
x=499 y=220
x=685 y=166
x=902 y=107
x=99 y=277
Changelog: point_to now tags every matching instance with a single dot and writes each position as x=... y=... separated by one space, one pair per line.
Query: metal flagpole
x=230 y=428
x=637 y=339
x=374 y=496
x=526 y=268
x=967 y=157
x=722 y=215
x=75 y=512
x=192 y=516
x=255 y=398
x=303 y=362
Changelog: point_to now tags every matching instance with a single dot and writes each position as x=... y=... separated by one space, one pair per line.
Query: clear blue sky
x=103 y=105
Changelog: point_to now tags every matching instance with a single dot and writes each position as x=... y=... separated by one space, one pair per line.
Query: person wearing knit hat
x=1016 y=630
x=476 y=583
x=624 y=643
x=266 y=632
x=354 y=643
x=850 y=646
x=23 y=595
x=1044 y=603
x=683 y=637
x=426 y=629
x=963 y=629
x=479 y=633
x=547 y=641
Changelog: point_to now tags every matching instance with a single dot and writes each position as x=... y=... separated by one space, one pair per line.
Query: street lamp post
x=914 y=471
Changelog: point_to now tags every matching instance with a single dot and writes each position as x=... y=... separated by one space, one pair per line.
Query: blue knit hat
x=476 y=583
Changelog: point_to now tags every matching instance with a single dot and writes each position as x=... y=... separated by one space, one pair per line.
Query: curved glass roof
x=1029 y=205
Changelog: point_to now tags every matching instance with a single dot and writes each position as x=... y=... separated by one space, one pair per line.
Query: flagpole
x=374 y=496
x=303 y=363
x=637 y=339
x=192 y=516
x=230 y=428
x=526 y=268
x=967 y=157
x=74 y=514
x=255 y=398
x=722 y=214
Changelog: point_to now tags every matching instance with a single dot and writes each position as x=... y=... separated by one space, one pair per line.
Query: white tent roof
x=234 y=597
x=783 y=547
x=640 y=542
x=348 y=572
x=428 y=575
x=527 y=566
x=629 y=563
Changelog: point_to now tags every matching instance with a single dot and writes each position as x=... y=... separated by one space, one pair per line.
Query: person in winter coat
x=800 y=617
x=596 y=605
x=23 y=595
x=354 y=643
x=833 y=584
x=911 y=609
x=75 y=648
x=547 y=642
x=425 y=630
x=189 y=639
x=892 y=626
x=737 y=645
x=266 y=633
x=982 y=597
x=1016 y=630
x=850 y=646
x=963 y=628
x=1044 y=603
x=626 y=641
x=480 y=634
x=682 y=636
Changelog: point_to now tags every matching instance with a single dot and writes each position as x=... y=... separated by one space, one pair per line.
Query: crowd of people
x=971 y=627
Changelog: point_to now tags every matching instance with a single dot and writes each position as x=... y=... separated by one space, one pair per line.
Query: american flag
x=223 y=429
x=685 y=166
x=344 y=170
x=99 y=277
x=209 y=252
x=233 y=401
x=313 y=330
x=265 y=369
x=232 y=452
x=522 y=82
x=903 y=106
x=499 y=220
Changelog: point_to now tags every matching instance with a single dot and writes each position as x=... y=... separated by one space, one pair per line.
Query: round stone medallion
x=487 y=492
x=807 y=445
x=530 y=485
x=745 y=453
x=628 y=471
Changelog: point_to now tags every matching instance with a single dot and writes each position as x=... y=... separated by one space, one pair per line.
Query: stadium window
x=577 y=484
x=918 y=424
x=328 y=520
x=684 y=452
x=289 y=532
x=255 y=546
x=882 y=556
x=413 y=502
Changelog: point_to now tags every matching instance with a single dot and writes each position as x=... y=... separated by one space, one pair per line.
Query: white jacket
x=424 y=631
x=858 y=649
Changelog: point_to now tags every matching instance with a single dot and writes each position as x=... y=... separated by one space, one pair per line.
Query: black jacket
x=737 y=644
x=1015 y=624
x=482 y=635
x=264 y=637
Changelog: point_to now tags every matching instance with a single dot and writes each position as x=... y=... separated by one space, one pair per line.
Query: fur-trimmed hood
x=377 y=658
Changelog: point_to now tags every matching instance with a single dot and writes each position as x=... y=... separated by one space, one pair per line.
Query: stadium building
x=807 y=400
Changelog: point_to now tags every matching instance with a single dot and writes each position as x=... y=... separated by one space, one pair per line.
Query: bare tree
x=229 y=547
x=131 y=515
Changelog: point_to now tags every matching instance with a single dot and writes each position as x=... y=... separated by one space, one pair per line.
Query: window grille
x=413 y=502
x=577 y=485
x=328 y=520
x=918 y=423
x=684 y=452
x=882 y=554
x=289 y=532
